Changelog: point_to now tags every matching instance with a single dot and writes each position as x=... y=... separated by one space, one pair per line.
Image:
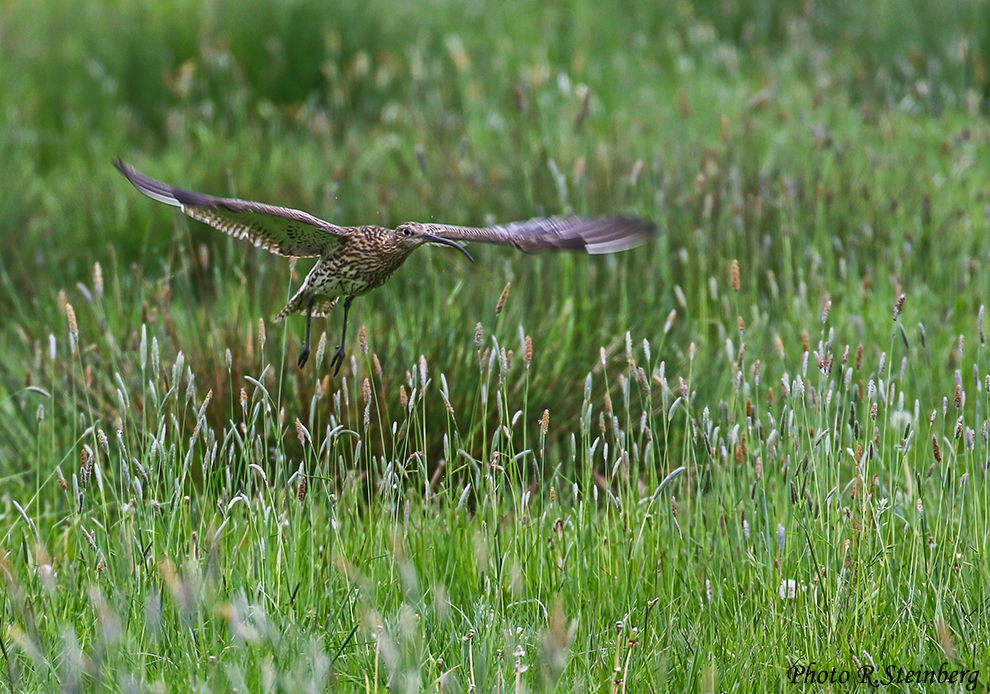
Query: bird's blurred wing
x=594 y=236
x=280 y=230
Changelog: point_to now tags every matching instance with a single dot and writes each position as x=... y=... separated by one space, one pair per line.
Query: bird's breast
x=353 y=271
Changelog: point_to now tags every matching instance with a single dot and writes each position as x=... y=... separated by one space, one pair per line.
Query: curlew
x=355 y=260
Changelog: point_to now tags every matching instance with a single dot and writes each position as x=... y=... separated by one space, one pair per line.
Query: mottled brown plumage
x=355 y=260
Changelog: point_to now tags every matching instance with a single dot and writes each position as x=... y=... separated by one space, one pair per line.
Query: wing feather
x=593 y=236
x=279 y=230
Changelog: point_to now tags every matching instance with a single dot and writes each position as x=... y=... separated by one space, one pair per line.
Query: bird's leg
x=338 y=357
x=304 y=355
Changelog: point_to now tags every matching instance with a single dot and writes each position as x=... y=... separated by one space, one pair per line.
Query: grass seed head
x=321 y=349
x=363 y=340
x=634 y=172
x=70 y=314
x=734 y=275
x=446 y=403
x=85 y=466
x=585 y=107
x=898 y=307
x=98 y=279
x=670 y=321
x=502 y=299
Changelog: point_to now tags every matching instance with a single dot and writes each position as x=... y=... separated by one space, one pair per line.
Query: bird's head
x=410 y=235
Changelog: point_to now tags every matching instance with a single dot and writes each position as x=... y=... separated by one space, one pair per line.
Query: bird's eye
x=407 y=232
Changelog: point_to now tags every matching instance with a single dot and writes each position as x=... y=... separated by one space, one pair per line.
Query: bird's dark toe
x=303 y=356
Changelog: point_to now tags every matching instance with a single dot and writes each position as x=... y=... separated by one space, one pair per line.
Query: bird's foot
x=303 y=356
x=338 y=359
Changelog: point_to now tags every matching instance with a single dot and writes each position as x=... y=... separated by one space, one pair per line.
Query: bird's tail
x=321 y=307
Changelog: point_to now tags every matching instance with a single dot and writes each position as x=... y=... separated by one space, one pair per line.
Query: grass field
x=755 y=448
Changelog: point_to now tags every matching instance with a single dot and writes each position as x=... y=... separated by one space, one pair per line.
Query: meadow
x=750 y=453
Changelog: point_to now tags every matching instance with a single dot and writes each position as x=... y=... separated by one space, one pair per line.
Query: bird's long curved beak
x=447 y=242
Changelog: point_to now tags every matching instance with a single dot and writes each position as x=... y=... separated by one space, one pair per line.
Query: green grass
x=183 y=509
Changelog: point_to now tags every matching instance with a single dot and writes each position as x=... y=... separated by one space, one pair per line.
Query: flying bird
x=355 y=260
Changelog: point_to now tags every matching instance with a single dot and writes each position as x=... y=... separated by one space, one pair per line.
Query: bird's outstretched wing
x=280 y=230
x=594 y=236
